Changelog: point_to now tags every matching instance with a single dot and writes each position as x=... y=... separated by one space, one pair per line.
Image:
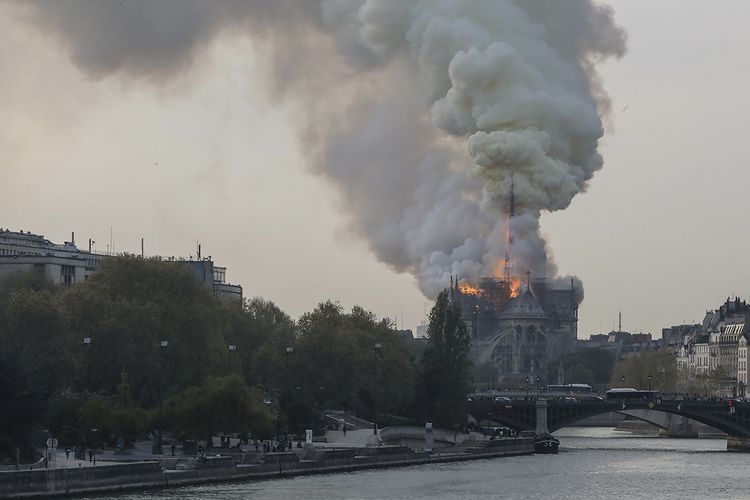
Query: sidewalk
x=140 y=452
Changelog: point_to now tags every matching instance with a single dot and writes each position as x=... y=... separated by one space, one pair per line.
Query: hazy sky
x=209 y=157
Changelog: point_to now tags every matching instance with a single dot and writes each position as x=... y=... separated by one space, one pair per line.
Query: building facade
x=714 y=355
x=519 y=335
x=66 y=264
x=23 y=252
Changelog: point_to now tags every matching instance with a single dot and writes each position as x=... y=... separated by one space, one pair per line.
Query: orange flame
x=515 y=283
x=467 y=289
x=515 y=287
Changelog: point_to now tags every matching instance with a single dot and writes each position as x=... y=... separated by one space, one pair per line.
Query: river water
x=592 y=463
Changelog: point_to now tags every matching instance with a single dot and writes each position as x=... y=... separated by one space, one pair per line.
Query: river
x=592 y=463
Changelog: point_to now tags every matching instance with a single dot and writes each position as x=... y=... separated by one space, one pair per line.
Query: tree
x=114 y=417
x=587 y=366
x=661 y=366
x=445 y=381
x=127 y=308
x=219 y=404
x=484 y=375
x=34 y=335
x=336 y=364
x=21 y=409
x=262 y=333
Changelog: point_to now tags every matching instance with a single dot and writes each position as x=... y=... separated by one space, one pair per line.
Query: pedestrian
x=290 y=446
x=344 y=428
x=173 y=448
x=91 y=455
x=67 y=453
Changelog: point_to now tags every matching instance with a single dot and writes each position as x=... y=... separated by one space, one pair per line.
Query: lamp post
x=527 y=386
x=538 y=385
x=163 y=344
x=649 y=384
x=232 y=349
x=287 y=393
x=94 y=430
x=84 y=390
x=378 y=346
x=622 y=379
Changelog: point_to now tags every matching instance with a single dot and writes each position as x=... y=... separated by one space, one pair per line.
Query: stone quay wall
x=142 y=475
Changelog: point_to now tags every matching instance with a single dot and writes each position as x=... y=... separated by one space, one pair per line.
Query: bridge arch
x=732 y=419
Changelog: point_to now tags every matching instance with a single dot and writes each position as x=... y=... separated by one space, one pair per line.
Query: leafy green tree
x=634 y=372
x=127 y=308
x=484 y=375
x=218 y=405
x=587 y=366
x=34 y=335
x=336 y=362
x=262 y=335
x=445 y=381
x=21 y=409
x=114 y=417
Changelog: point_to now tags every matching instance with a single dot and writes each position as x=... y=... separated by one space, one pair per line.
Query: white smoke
x=419 y=111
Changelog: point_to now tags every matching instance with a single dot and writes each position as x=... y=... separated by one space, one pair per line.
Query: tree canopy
x=586 y=366
x=634 y=372
x=278 y=375
x=445 y=379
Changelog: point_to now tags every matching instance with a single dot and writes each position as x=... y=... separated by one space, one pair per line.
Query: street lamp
x=623 y=380
x=287 y=397
x=84 y=381
x=232 y=348
x=538 y=385
x=378 y=346
x=84 y=390
x=289 y=350
x=94 y=430
x=527 y=386
x=163 y=344
x=649 y=382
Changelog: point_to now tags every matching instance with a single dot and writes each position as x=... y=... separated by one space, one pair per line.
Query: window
x=67 y=275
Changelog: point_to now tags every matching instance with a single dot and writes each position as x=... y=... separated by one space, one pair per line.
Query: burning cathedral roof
x=525 y=306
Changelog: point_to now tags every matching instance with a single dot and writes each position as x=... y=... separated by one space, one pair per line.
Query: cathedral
x=520 y=331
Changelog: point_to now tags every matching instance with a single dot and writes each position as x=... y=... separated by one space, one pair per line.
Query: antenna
x=619 y=321
x=142 y=252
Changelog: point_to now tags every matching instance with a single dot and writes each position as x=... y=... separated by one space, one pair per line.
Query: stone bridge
x=540 y=414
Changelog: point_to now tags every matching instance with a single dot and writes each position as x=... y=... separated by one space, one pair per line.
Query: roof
x=525 y=306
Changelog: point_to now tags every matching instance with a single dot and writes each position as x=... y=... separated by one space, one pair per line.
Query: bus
x=622 y=393
x=571 y=388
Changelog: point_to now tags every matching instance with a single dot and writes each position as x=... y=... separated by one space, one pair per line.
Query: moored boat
x=546 y=444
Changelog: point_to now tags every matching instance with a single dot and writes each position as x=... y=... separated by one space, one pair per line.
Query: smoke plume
x=420 y=112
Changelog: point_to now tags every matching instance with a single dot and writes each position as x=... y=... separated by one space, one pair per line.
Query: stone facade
x=520 y=335
x=66 y=264
x=716 y=352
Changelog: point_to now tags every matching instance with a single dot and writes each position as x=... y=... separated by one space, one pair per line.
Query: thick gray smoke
x=419 y=111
